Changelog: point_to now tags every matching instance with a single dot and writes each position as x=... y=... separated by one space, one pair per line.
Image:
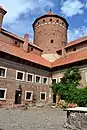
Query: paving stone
x=32 y=119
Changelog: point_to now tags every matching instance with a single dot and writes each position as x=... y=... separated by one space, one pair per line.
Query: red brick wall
x=12 y=84
x=44 y=33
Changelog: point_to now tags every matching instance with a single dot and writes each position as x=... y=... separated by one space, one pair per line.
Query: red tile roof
x=19 y=38
x=19 y=52
x=71 y=58
x=15 y=51
x=50 y=13
x=78 y=41
x=75 y=42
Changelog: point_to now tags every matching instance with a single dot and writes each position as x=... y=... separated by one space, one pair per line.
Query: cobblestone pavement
x=32 y=119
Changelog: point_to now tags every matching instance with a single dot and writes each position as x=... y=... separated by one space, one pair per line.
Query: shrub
x=67 y=88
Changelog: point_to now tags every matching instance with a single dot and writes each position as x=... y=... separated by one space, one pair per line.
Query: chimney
x=2 y=13
x=63 y=52
x=63 y=49
x=25 y=45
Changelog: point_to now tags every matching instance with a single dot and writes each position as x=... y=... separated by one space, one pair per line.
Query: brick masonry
x=12 y=84
x=48 y=30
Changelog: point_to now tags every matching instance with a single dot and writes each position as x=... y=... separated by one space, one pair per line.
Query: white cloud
x=16 y=7
x=12 y=20
x=72 y=7
x=76 y=33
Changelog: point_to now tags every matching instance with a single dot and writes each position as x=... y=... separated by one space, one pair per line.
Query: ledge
x=77 y=109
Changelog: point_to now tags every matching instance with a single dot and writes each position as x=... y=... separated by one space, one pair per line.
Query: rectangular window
x=42 y=96
x=60 y=79
x=45 y=80
x=3 y=93
x=20 y=75
x=38 y=79
x=86 y=77
x=29 y=77
x=3 y=72
x=28 y=95
x=54 y=81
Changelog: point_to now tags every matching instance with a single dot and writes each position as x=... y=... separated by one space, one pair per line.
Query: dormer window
x=74 y=49
x=32 y=49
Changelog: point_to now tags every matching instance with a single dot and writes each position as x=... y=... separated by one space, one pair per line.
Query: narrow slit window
x=52 y=41
x=50 y=20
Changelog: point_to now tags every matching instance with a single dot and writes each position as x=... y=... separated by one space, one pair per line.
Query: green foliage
x=67 y=88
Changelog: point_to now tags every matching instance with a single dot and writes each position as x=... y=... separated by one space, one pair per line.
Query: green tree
x=68 y=89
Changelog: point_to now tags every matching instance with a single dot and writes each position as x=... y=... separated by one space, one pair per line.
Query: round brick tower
x=50 y=32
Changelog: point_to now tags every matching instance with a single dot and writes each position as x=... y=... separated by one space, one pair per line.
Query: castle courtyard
x=32 y=119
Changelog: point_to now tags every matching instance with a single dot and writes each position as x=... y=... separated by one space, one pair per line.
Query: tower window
x=50 y=19
x=57 y=21
x=38 y=22
x=62 y=23
x=52 y=41
x=44 y=20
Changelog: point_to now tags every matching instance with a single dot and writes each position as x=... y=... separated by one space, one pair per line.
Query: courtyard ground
x=32 y=119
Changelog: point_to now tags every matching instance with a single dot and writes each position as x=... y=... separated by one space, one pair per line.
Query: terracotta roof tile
x=78 y=41
x=50 y=13
x=20 y=38
x=15 y=51
x=71 y=58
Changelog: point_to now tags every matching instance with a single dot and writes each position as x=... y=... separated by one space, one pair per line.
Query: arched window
x=52 y=41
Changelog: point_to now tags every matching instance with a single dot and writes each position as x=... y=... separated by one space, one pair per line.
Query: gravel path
x=32 y=119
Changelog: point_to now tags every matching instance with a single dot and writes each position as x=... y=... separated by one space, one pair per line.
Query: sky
x=22 y=13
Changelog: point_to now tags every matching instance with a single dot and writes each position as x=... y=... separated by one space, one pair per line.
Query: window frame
x=5 y=72
x=59 y=79
x=86 y=76
x=56 y=79
x=22 y=73
x=43 y=80
x=4 y=93
x=31 y=95
x=40 y=96
x=27 y=77
x=40 y=79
